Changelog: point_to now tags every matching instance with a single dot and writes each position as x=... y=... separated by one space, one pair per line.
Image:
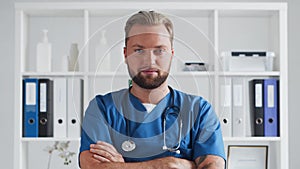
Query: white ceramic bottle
x=65 y=63
x=73 y=57
x=43 y=54
x=102 y=58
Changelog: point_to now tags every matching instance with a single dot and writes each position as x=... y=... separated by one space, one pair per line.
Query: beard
x=150 y=82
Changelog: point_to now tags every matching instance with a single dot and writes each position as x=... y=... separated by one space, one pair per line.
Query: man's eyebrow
x=160 y=46
x=143 y=47
x=137 y=45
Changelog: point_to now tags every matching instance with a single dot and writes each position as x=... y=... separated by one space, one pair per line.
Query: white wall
x=294 y=82
x=7 y=77
x=6 y=83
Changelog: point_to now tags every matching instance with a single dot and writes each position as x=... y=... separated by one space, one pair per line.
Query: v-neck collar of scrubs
x=135 y=111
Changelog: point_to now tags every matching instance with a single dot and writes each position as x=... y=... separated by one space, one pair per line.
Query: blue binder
x=30 y=108
x=270 y=107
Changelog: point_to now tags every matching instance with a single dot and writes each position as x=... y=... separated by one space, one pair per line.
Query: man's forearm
x=114 y=165
x=88 y=162
x=162 y=163
x=210 y=162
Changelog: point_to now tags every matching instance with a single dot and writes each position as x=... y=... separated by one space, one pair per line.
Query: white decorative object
x=247 y=60
x=270 y=62
x=43 y=54
x=62 y=147
x=102 y=58
x=65 y=63
x=73 y=58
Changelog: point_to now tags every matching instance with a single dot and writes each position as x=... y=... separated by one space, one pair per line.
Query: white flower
x=61 y=147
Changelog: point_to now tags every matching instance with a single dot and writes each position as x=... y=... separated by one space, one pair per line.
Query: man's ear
x=172 y=51
x=125 y=54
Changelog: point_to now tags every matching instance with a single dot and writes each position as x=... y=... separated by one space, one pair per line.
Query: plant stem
x=49 y=160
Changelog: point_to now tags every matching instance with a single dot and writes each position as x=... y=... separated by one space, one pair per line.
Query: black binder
x=256 y=88
x=45 y=108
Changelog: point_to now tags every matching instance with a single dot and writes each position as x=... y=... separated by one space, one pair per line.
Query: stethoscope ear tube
x=176 y=149
x=176 y=110
x=165 y=147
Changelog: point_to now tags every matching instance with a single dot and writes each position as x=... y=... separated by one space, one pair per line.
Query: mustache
x=149 y=68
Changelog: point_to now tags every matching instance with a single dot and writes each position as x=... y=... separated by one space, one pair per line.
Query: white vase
x=102 y=55
x=73 y=58
x=65 y=63
x=43 y=54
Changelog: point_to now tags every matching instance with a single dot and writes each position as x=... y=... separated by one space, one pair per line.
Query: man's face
x=148 y=55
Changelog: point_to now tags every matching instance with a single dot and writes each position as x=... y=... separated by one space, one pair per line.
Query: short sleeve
x=209 y=140
x=94 y=126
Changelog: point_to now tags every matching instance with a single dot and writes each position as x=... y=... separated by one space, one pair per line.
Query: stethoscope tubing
x=164 y=114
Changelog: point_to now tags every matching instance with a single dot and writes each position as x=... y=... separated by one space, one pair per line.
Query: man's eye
x=159 y=51
x=139 y=51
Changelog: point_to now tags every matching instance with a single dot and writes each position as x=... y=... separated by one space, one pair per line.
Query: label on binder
x=43 y=97
x=258 y=95
x=30 y=94
x=270 y=96
x=238 y=95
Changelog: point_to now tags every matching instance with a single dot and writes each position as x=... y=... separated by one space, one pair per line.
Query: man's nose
x=150 y=57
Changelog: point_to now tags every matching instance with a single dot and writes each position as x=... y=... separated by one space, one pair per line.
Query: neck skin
x=153 y=96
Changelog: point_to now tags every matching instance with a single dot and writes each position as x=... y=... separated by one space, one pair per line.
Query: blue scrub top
x=107 y=117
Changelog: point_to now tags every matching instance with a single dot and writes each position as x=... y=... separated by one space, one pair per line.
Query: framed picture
x=247 y=157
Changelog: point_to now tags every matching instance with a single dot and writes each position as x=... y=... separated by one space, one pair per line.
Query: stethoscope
x=129 y=145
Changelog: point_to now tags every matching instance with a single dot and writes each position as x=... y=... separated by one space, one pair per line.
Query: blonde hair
x=149 y=18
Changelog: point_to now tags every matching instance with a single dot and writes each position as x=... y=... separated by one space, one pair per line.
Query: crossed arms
x=103 y=155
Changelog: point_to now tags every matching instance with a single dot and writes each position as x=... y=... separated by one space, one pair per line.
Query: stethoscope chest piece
x=128 y=145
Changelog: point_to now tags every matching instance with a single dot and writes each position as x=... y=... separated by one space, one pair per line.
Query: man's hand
x=210 y=162
x=105 y=152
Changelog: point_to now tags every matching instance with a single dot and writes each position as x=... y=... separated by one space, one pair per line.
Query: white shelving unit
x=202 y=32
